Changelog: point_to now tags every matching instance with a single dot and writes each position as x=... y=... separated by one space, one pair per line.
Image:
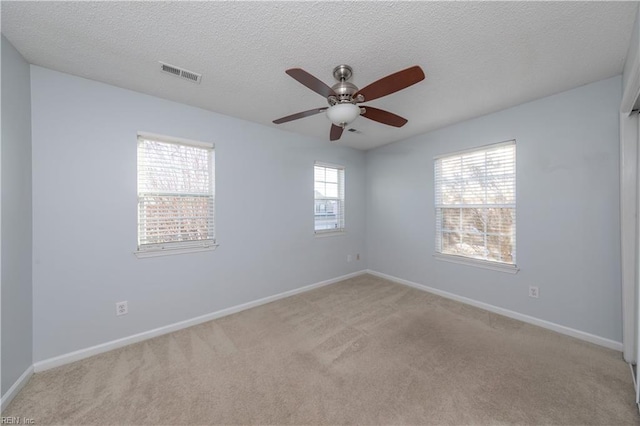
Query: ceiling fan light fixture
x=343 y=114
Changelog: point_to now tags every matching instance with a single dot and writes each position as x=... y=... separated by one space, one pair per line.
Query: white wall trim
x=632 y=91
x=628 y=230
x=607 y=343
x=15 y=388
x=118 y=343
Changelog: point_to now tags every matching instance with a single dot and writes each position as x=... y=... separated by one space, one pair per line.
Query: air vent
x=180 y=72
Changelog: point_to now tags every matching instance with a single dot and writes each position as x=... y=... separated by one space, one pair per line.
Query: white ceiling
x=478 y=57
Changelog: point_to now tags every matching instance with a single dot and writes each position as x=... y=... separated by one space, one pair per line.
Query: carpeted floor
x=362 y=351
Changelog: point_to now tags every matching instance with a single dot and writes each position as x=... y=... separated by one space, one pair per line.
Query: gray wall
x=568 y=223
x=16 y=216
x=84 y=222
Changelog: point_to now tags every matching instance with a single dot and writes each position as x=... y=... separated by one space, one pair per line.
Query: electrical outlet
x=358 y=256
x=122 y=308
x=349 y=258
x=533 y=292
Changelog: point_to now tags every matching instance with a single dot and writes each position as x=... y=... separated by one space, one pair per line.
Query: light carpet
x=362 y=351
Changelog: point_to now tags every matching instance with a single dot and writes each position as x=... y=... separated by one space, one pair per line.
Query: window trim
x=470 y=261
x=173 y=139
x=478 y=263
x=341 y=185
x=180 y=247
x=477 y=148
x=142 y=254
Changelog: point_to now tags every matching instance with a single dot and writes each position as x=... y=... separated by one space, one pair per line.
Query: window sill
x=494 y=266
x=329 y=233
x=170 y=252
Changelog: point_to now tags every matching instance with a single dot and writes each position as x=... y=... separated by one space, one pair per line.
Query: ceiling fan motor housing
x=344 y=92
x=344 y=89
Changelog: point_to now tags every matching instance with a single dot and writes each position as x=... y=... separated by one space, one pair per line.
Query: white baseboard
x=115 y=344
x=15 y=388
x=592 y=338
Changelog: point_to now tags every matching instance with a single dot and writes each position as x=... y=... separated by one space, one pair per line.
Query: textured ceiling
x=478 y=57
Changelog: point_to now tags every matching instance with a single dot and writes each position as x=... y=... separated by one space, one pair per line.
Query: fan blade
x=311 y=82
x=302 y=114
x=392 y=83
x=384 y=117
x=336 y=132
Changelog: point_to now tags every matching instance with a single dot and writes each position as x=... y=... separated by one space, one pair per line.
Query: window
x=175 y=195
x=476 y=204
x=329 y=198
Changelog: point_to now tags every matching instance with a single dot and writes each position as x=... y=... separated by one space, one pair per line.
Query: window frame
x=468 y=260
x=341 y=171
x=185 y=246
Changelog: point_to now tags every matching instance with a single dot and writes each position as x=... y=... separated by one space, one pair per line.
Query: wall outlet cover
x=122 y=308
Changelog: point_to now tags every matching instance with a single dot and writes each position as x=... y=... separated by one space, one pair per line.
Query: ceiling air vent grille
x=180 y=72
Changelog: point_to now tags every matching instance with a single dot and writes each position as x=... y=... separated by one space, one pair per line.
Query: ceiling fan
x=344 y=96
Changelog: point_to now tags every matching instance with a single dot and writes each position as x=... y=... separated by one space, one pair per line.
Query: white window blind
x=476 y=203
x=329 y=198
x=175 y=195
